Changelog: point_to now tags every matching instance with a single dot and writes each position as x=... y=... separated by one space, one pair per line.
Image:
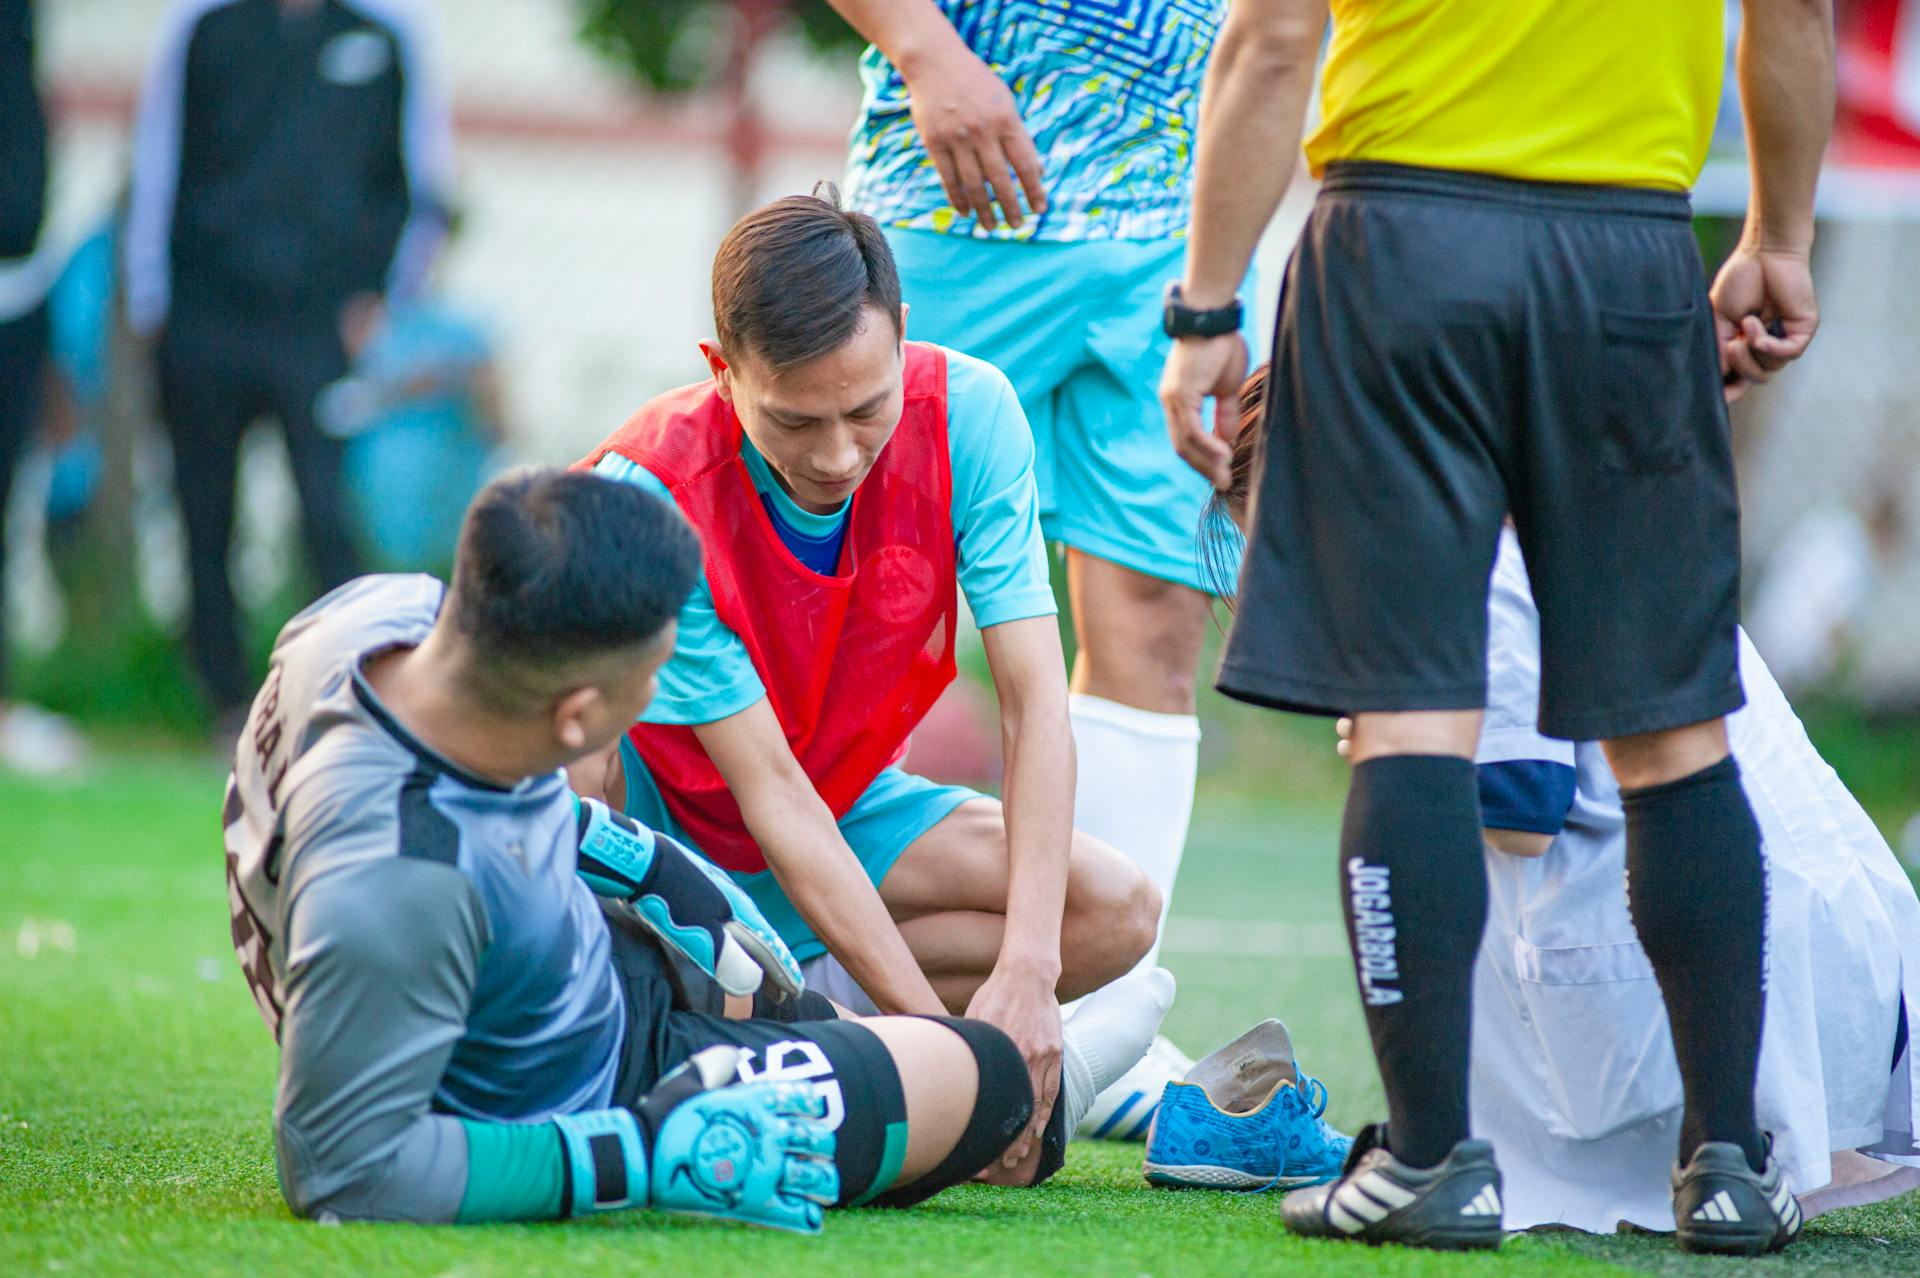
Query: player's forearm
x=912 y=33
x=819 y=873
x=440 y=1170
x=445 y=1170
x=1036 y=740
x=1037 y=797
x=1252 y=110
x=1785 y=68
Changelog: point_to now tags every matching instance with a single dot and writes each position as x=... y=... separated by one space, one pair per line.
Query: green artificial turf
x=136 y=1085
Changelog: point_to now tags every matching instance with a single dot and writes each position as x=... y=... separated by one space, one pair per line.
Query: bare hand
x=973 y=133
x=1764 y=314
x=360 y=321
x=1343 y=728
x=1025 y=1010
x=1197 y=368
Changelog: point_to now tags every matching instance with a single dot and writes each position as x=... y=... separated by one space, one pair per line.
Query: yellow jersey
x=1617 y=92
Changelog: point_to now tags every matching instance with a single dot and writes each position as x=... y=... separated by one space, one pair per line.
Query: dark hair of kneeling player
x=561 y=572
x=1228 y=518
x=792 y=281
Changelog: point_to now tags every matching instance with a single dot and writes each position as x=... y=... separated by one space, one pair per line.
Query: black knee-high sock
x=1697 y=887
x=1415 y=888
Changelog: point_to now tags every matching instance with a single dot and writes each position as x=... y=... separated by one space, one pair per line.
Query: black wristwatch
x=1181 y=320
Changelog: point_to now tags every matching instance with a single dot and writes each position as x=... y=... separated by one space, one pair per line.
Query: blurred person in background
x=1033 y=169
x=289 y=156
x=81 y=310
x=31 y=740
x=1819 y=584
x=1830 y=513
x=423 y=416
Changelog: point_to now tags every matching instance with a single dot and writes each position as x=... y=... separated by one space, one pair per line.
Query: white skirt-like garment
x=1573 y=1071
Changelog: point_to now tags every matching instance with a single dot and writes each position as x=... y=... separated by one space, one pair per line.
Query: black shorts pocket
x=1647 y=367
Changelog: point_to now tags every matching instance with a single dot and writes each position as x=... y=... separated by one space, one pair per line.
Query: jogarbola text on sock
x=1373 y=932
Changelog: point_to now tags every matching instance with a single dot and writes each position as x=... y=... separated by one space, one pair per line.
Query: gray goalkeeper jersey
x=416 y=936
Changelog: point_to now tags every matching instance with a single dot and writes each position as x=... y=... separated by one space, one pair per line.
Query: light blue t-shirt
x=417 y=449
x=1109 y=92
x=1001 y=558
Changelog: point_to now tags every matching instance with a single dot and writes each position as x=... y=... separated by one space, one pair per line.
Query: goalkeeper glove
x=684 y=900
x=701 y=1145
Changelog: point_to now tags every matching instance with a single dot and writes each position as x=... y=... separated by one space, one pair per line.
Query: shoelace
x=1313 y=1093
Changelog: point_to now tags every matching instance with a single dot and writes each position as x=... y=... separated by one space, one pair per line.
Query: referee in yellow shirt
x=1497 y=306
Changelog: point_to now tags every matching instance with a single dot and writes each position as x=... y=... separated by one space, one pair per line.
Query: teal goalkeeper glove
x=700 y=1145
x=686 y=901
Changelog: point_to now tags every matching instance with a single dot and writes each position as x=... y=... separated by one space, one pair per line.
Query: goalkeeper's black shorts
x=672 y=1014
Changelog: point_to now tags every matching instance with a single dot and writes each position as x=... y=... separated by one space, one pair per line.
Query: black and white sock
x=1415 y=887
x=1697 y=886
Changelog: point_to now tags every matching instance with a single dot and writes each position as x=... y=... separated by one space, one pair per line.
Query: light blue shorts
x=895 y=810
x=1076 y=329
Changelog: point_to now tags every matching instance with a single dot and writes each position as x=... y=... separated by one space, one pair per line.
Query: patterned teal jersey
x=1110 y=91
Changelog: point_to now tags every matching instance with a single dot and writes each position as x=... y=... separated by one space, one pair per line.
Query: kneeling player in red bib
x=848 y=486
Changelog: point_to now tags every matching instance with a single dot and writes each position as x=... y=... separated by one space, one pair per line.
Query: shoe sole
x=1204 y=1176
x=1702 y=1243
x=1716 y=1238
x=1429 y=1239
x=1452 y=1242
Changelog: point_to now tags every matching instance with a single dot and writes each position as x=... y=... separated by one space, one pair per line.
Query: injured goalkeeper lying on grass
x=497 y=1001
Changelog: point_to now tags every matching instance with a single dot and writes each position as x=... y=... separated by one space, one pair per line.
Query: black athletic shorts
x=1454 y=347
x=843 y=1061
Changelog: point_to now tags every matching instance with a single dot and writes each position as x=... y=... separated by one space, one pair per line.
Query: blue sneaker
x=1245 y=1119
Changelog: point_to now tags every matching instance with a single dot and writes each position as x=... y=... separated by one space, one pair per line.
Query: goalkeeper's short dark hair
x=556 y=565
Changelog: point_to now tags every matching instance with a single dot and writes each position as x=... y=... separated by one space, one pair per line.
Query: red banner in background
x=1877 y=116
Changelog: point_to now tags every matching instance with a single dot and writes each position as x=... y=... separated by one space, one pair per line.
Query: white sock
x=1108 y=1033
x=1135 y=790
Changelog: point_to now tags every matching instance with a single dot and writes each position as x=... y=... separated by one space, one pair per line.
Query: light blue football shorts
x=896 y=809
x=1076 y=329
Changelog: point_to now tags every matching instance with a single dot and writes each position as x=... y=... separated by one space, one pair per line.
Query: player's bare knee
x=1378 y=735
x=1138 y=920
x=1112 y=917
x=1655 y=758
